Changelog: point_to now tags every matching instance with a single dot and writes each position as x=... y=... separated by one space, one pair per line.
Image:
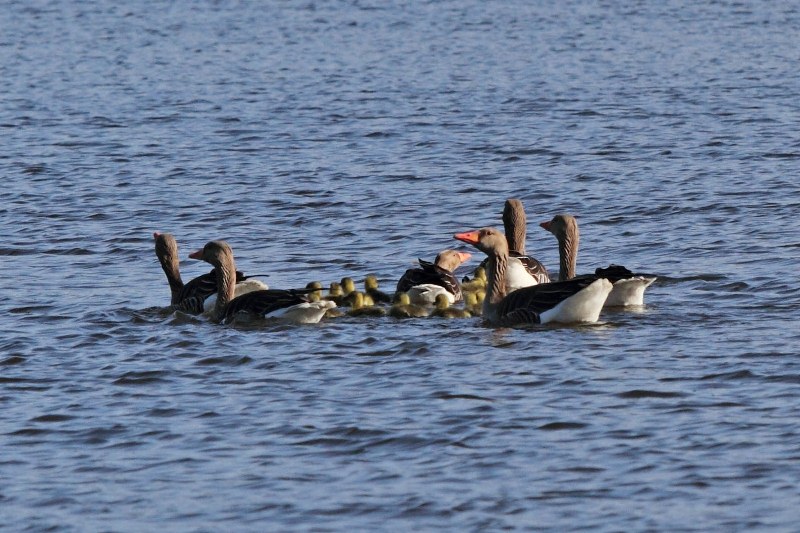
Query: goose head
x=562 y=226
x=348 y=285
x=166 y=250
x=488 y=240
x=371 y=283
x=215 y=252
x=451 y=259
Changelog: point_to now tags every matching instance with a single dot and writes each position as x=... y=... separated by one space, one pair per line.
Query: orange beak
x=464 y=256
x=196 y=255
x=545 y=225
x=470 y=237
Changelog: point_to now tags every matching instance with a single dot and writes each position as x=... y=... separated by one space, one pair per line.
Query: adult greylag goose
x=199 y=295
x=291 y=305
x=523 y=270
x=628 y=287
x=574 y=301
x=424 y=283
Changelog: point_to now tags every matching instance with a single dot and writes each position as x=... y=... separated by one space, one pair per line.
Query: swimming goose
x=573 y=301
x=628 y=287
x=291 y=305
x=424 y=283
x=199 y=295
x=523 y=270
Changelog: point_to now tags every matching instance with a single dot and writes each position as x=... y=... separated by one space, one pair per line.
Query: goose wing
x=266 y=301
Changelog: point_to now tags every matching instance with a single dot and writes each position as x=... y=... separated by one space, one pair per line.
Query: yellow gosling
x=359 y=309
x=403 y=308
x=371 y=289
x=472 y=304
x=443 y=309
x=348 y=285
x=316 y=294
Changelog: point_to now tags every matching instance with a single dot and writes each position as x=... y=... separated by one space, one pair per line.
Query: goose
x=199 y=295
x=628 y=287
x=371 y=288
x=443 y=309
x=424 y=283
x=575 y=301
x=291 y=305
x=523 y=270
x=403 y=308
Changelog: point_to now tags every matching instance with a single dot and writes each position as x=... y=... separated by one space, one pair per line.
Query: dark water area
x=326 y=139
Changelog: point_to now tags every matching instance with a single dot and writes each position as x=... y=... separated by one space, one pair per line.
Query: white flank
x=517 y=276
x=304 y=313
x=629 y=291
x=583 y=306
x=426 y=293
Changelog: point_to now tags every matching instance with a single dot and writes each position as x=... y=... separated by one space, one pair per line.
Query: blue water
x=325 y=139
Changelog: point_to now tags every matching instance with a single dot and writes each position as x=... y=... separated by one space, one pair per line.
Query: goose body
x=427 y=293
x=290 y=305
x=242 y=287
x=573 y=301
x=628 y=288
x=424 y=283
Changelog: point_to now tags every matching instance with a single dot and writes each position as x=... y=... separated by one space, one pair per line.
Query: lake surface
x=325 y=139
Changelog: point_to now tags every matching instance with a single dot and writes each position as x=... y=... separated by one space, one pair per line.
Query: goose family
x=511 y=288
x=628 y=287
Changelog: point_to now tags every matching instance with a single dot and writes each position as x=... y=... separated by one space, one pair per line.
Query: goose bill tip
x=470 y=237
x=196 y=255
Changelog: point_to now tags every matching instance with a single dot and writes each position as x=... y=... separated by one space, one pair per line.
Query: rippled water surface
x=324 y=139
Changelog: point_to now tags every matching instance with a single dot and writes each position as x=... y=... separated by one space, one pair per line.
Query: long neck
x=495 y=281
x=568 y=255
x=225 y=271
x=173 y=273
x=514 y=225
